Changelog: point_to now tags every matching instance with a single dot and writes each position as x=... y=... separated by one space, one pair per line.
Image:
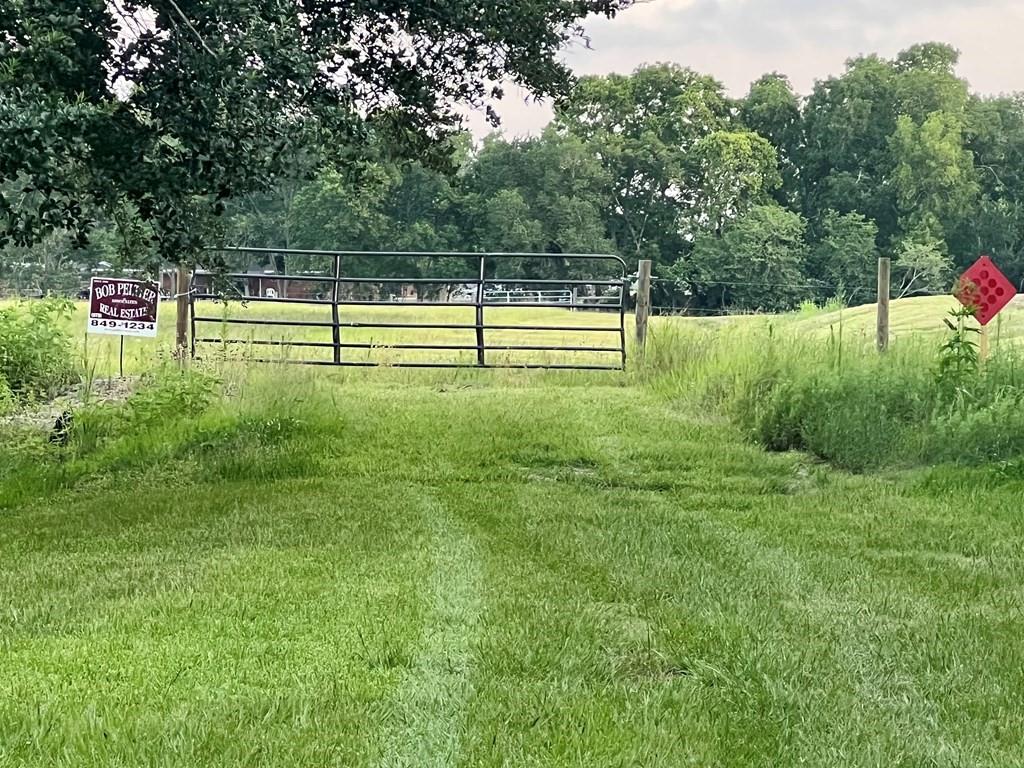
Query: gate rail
x=483 y=298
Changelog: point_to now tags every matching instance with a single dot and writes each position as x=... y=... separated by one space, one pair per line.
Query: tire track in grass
x=426 y=716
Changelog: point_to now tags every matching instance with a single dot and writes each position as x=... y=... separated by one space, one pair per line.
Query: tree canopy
x=759 y=202
x=166 y=109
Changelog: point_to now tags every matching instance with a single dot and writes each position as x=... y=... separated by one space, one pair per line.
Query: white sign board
x=123 y=307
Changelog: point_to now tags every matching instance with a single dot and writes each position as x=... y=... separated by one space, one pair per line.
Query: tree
x=560 y=185
x=506 y=225
x=337 y=211
x=921 y=268
x=261 y=221
x=994 y=135
x=845 y=160
x=643 y=127
x=926 y=82
x=421 y=211
x=172 y=108
x=845 y=257
x=887 y=139
x=757 y=264
x=772 y=109
x=736 y=171
x=50 y=267
x=934 y=175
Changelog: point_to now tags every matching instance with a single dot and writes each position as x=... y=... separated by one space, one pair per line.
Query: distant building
x=256 y=281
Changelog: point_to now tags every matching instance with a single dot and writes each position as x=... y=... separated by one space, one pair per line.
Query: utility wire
x=849 y=290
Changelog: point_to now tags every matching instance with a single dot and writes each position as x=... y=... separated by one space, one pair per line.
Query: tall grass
x=787 y=383
x=35 y=351
x=229 y=424
x=837 y=398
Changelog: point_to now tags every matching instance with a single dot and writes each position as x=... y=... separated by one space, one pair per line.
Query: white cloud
x=739 y=40
x=651 y=14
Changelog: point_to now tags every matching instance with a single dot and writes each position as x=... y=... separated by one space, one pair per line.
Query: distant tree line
x=756 y=203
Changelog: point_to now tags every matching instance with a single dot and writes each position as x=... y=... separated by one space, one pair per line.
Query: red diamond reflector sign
x=985 y=289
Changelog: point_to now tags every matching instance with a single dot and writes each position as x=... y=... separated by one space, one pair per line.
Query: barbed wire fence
x=846 y=296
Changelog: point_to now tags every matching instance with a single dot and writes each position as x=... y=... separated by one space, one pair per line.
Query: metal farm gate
x=343 y=296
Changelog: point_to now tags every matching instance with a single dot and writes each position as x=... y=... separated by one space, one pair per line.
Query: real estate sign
x=123 y=307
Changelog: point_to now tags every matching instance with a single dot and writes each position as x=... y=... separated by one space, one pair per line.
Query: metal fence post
x=623 y=299
x=643 y=303
x=335 y=319
x=480 y=350
x=192 y=313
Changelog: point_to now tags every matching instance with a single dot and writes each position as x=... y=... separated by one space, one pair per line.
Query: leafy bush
x=170 y=393
x=35 y=350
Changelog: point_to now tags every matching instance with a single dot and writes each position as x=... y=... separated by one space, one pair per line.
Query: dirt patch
x=43 y=416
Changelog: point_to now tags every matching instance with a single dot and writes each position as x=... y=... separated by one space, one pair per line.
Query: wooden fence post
x=884 y=288
x=643 y=304
x=181 y=346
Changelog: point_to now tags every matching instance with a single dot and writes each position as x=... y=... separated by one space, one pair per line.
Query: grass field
x=394 y=568
x=287 y=343
x=911 y=319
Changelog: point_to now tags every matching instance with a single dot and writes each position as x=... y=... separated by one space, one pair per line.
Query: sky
x=737 y=41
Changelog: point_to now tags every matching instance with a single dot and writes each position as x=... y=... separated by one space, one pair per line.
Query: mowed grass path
x=357 y=574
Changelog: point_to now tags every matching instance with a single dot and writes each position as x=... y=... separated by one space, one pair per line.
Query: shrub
x=990 y=431
x=170 y=393
x=35 y=351
x=810 y=308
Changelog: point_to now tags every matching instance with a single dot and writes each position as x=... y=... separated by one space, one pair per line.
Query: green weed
x=35 y=352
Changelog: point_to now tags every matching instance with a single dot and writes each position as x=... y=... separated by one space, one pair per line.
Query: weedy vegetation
x=829 y=393
x=36 y=358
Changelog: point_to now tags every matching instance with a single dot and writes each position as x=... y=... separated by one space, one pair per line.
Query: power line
x=847 y=290
x=758 y=284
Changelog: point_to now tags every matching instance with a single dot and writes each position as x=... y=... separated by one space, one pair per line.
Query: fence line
x=487 y=292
